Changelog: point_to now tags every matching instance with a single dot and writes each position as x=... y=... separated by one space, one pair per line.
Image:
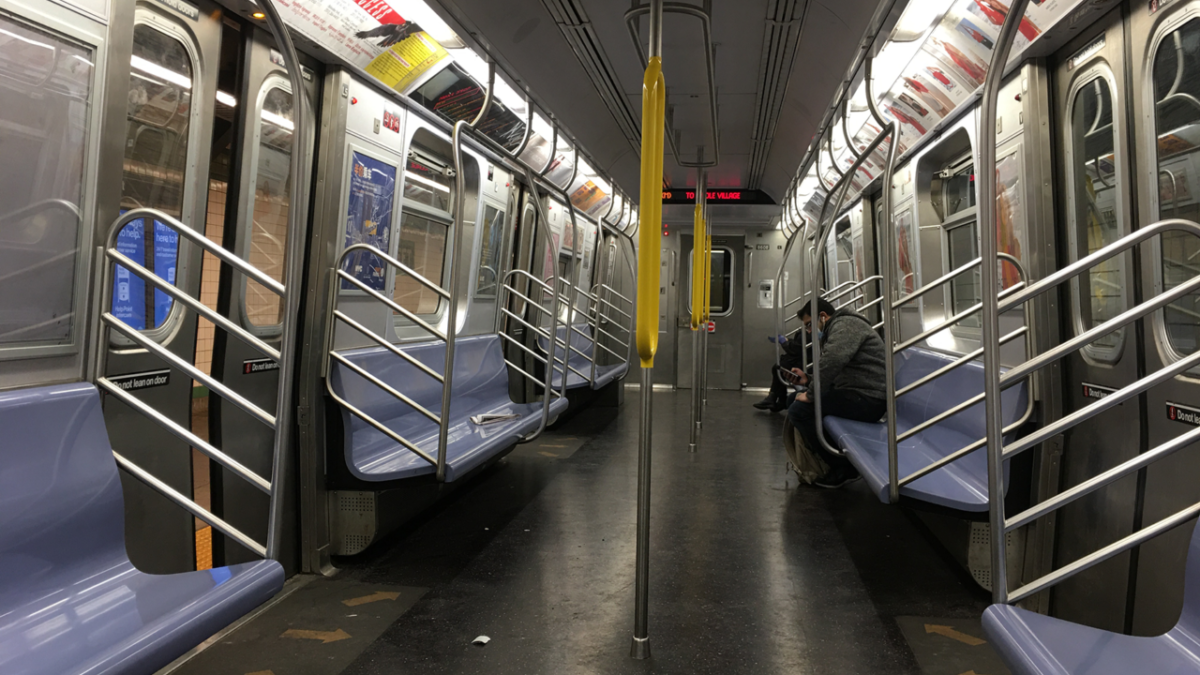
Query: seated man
x=777 y=398
x=853 y=382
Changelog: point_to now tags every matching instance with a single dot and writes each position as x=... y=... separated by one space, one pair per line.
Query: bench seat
x=1035 y=644
x=585 y=344
x=70 y=600
x=962 y=484
x=480 y=386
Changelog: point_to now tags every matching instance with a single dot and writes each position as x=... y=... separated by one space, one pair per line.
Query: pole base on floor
x=691 y=447
x=640 y=649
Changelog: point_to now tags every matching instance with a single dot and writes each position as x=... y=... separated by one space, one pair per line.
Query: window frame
x=1172 y=23
x=273 y=81
x=64 y=25
x=968 y=218
x=1095 y=72
x=732 y=287
x=173 y=322
x=403 y=205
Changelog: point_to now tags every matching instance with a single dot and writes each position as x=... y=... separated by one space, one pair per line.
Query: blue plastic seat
x=70 y=600
x=480 y=386
x=582 y=362
x=1034 y=644
x=960 y=485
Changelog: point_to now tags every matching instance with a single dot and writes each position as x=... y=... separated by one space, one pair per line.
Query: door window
x=159 y=114
x=720 y=300
x=270 y=202
x=1176 y=79
x=44 y=97
x=491 y=248
x=962 y=244
x=424 y=224
x=1096 y=218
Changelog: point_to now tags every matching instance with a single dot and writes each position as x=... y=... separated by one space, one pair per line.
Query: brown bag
x=808 y=465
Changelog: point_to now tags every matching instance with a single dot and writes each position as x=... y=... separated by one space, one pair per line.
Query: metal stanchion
x=649 y=259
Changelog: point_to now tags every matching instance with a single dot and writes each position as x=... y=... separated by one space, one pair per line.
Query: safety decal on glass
x=250 y=366
x=146 y=380
x=129 y=290
x=1096 y=391
x=369 y=220
x=1183 y=414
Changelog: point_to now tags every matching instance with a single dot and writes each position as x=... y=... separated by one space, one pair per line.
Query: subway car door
x=255 y=210
x=169 y=107
x=1166 y=85
x=725 y=336
x=1095 y=210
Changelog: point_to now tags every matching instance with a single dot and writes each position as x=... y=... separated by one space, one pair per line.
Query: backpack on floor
x=808 y=465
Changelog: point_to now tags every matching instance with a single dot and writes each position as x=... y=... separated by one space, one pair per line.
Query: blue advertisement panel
x=129 y=291
x=369 y=219
x=166 y=257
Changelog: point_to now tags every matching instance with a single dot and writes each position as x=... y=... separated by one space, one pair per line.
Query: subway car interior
x=432 y=336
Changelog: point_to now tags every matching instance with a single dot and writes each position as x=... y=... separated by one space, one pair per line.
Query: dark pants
x=834 y=403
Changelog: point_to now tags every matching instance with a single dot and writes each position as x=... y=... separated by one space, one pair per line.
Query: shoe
x=836 y=479
x=777 y=405
x=767 y=403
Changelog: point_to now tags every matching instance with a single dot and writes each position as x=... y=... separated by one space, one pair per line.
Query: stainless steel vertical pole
x=285 y=427
x=888 y=240
x=990 y=290
x=651 y=185
x=702 y=195
x=697 y=244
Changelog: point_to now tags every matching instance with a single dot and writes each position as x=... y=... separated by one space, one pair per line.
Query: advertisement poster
x=369 y=219
x=1010 y=216
x=129 y=290
x=456 y=97
x=587 y=197
x=906 y=250
x=404 y=62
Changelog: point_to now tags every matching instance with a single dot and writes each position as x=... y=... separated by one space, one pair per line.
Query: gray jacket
x=852 y=356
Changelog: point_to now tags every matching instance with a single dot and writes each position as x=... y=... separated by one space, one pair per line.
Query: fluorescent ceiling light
x=917 y=18
x=425 y=181
x=227 y=99
x=162 y=73
x=281 y=122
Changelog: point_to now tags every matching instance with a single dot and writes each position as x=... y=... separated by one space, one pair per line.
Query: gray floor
x=749 y=573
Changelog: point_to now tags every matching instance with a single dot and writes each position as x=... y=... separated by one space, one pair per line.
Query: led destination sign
x=718 y=196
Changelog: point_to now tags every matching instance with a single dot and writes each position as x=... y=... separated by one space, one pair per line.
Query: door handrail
x=108 y=322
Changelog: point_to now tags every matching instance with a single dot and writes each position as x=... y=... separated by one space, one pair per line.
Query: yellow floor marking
x=547 y=454
x=969 y=672
x=947 y=631
x=204 y=550
x=374 y=597
x=324 y=636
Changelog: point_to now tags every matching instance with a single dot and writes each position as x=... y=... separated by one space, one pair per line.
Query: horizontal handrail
x=191 y=371
x=185 y=435
x=962 y=360
x=952 y=320
x=37 y=207
x=392 y=304
x=1116 y=548
x=421 y=279
x=209 y=246
x=363 y=373
x=379 y=426
x=191 y=506
x=192 y=303
x=372 y=336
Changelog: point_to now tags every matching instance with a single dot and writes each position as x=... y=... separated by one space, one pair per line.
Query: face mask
x=820 y=334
